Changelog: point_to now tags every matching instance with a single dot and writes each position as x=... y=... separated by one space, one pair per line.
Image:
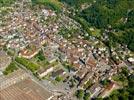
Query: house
x=48 y=13
x=58 y=72
x=81 y=72
x=45 y=71
x=107 y=91
x=29 y=51
x=50 y=57
x=103 y=66
x=50 y=52
x=91 y=61
x=131 y=60
x=2 y=43
x=86 y=77
x=62 y=56
x=95 y=90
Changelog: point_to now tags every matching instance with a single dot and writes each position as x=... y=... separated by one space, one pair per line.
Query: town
x=45 y=56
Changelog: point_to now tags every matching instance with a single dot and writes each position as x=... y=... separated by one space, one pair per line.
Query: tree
x=105 y=82
x=80 y=94
x=88 y=84
x=6 y=2
x=86 y=96
x=11 y=68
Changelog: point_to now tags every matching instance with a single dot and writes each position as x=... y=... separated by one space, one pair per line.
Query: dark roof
x=42 y=70
x=58 y=72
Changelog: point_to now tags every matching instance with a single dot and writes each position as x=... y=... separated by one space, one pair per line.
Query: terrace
x=25 y=90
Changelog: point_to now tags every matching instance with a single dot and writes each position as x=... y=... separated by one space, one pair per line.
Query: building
x=85 y=79
x=45 y=71
x=131 y=60
x=26 y=53
x=95 y=90
x=107 y=91
x=81 y=73
x=58 y=72
x=2 y=43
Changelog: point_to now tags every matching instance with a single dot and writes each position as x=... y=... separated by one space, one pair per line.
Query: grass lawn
x=96 y=32
x=59 y=78
x=28 y=64
x=41 y=59
x=53 y=4
x=11 y=68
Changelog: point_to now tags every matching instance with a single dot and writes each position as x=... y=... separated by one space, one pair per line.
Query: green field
x=76 y=3
x=40 y=59
x=27 y=63
x=6 y=2
x=52 y=4
x=11 y=68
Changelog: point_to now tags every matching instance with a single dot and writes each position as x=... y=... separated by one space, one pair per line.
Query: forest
x=102 y=14
x=75 y=3
x=125 y=93
x=6 y=2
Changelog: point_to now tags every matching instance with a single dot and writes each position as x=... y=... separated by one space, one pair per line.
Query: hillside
x=102 y=14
